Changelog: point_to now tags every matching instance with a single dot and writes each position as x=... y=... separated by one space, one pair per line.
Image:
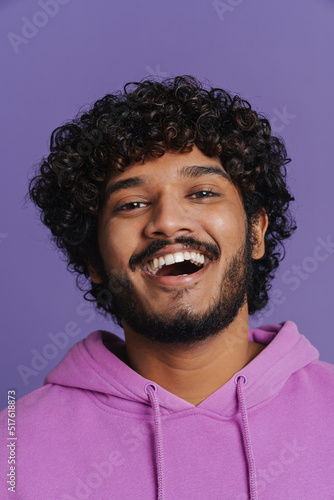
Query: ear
x=259 y=229
x=94 y=276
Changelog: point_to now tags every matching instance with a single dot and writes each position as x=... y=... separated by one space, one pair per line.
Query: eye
x=132 y=205
x=204 y=193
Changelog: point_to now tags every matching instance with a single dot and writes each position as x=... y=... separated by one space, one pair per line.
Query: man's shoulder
x=317 y=379
x=39 y=401
x=322 y=369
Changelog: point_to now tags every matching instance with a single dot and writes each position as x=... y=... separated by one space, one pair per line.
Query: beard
x=181 y=326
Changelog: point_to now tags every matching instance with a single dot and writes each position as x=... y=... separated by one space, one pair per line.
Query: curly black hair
x=146 y=120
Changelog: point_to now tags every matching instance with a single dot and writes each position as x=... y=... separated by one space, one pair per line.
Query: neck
x=192 y=373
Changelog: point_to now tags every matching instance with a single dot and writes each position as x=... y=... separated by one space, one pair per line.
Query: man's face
x=173 y=239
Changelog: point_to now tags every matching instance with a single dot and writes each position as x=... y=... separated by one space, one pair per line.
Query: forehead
x=170 y=166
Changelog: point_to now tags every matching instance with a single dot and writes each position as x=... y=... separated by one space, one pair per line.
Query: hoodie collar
x=90 y=365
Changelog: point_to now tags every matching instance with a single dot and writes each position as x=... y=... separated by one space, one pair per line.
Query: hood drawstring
x=246 y=436
x=151 y=389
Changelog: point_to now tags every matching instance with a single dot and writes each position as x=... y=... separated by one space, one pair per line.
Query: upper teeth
x=155 y=264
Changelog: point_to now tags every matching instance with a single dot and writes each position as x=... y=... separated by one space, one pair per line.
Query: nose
x=169 y=218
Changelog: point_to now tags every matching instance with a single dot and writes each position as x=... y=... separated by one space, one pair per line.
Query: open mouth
x=177 y=264
x=179 y=269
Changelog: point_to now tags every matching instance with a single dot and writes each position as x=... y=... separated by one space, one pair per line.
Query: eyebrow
x=192 y=171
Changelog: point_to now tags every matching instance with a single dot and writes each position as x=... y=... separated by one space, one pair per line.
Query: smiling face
x=175 y=247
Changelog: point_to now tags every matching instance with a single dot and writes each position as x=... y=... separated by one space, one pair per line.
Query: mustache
x=212 y=251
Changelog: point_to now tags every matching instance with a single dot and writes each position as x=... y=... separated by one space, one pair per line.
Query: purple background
x=278 y=55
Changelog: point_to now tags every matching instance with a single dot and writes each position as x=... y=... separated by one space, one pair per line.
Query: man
x=171 y=201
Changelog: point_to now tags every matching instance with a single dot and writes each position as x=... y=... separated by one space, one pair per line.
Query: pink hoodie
x=98 y=430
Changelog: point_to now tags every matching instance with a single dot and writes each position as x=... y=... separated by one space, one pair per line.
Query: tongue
x=178 y=269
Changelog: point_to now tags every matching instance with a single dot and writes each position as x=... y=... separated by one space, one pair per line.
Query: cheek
x=116 y=244
x=227 y=228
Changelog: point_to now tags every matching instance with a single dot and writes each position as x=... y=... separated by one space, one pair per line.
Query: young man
x=170 y=200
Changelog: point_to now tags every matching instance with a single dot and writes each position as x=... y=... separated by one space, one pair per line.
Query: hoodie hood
x=90 y=366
